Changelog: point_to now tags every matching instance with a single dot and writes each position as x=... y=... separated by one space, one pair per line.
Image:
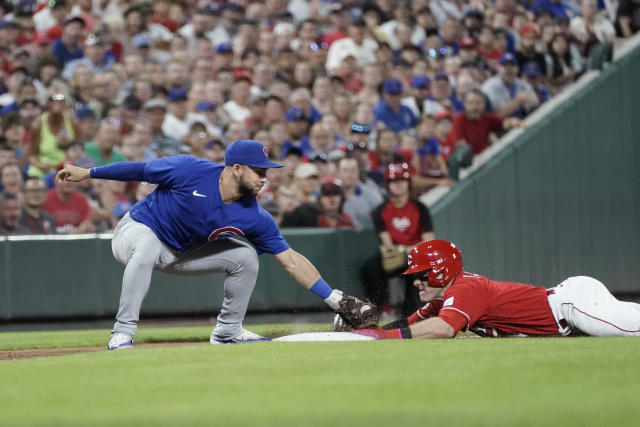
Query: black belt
x=562 y=323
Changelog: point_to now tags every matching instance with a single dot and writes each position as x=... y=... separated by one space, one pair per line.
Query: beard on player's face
x=246 y=189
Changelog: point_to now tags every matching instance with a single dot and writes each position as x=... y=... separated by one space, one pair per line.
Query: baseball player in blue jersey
x=187 y=226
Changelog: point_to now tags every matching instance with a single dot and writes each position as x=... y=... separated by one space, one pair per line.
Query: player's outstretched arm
x=72 y=173
x=356 y=312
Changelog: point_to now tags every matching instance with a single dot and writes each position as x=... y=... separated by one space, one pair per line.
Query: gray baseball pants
x=137 y=247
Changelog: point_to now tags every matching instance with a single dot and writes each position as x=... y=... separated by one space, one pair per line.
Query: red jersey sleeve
x=455 y=133
x=464 y=302
x=430 y=309
x=495 y=122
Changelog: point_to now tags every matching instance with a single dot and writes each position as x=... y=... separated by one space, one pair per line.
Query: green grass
x=474 y=382
x=99 y=337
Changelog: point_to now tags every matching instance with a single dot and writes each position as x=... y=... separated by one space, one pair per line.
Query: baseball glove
x=355 y=314
x=393 y=258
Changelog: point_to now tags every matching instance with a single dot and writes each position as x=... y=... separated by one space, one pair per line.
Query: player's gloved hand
x=354 y=311
x=384 y=334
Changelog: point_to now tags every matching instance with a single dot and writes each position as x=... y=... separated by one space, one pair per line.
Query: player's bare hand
x=72 y=173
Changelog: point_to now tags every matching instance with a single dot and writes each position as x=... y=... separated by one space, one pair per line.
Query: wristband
x=321 y=288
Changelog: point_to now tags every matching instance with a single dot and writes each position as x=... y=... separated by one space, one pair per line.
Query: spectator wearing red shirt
x=472 y=128
x=69 y=208
x=401 y=223
x=340 y=18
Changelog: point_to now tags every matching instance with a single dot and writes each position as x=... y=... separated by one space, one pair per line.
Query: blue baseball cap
x=206 y=106
x=248 y=152
x=392 y=86
x=508 y=58
x=441 y=75
x=178 y=94
x=11 y=108
x=419 y=81
x=224 y=48
x=293 y=114
x=85 y=112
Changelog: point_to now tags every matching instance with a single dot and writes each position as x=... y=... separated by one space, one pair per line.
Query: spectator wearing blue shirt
x=298 y=129
x=96 y=59
x=68 y=48
x=532 y=75
x=390 y=110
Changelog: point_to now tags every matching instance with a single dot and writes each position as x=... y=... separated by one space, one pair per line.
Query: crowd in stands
x=340 y=92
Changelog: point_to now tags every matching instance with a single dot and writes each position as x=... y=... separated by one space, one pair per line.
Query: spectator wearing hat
x=33 y=216
x=109 y=136
x=360 y=199
x=156 y=112
x=432 y=156
x=356 y=44
x=50 y=135
x=420 y=86
x=69 y=208
x=175 y=123
x=469 y=53
x=507 y=94
x=131 y=110
x=206 y=112
x=442 y=97
x=237 y=107
x=527 y=50
x=68 y=47
x=391 y=111
x=297 y=130
x=10 y=215
x=306 y=182
x=94 y=58
x=531 y=73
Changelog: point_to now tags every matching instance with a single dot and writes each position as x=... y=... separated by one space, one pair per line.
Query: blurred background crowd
x=350 y=96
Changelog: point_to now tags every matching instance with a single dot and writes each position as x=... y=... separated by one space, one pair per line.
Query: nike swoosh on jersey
x=195 y=193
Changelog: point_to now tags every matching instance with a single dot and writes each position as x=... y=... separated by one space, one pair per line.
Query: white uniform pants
x=137 y=247
x=583 y=304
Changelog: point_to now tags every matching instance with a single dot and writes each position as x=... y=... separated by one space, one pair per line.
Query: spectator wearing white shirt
x=175 y=123
x=361 y=48
x=238 y=106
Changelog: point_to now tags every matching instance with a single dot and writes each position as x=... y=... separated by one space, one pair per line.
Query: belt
x=562 y=323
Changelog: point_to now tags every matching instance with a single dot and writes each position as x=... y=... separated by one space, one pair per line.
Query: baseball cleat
x=244 y=337
x=120 y=341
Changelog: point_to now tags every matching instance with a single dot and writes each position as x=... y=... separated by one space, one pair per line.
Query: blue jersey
x=186 y=208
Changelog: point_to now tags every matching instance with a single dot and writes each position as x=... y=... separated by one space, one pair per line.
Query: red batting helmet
x=441 y=257
x=397 y=171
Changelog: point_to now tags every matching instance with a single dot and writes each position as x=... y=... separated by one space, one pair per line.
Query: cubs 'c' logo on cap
x=264 y=150
x=225 y=233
